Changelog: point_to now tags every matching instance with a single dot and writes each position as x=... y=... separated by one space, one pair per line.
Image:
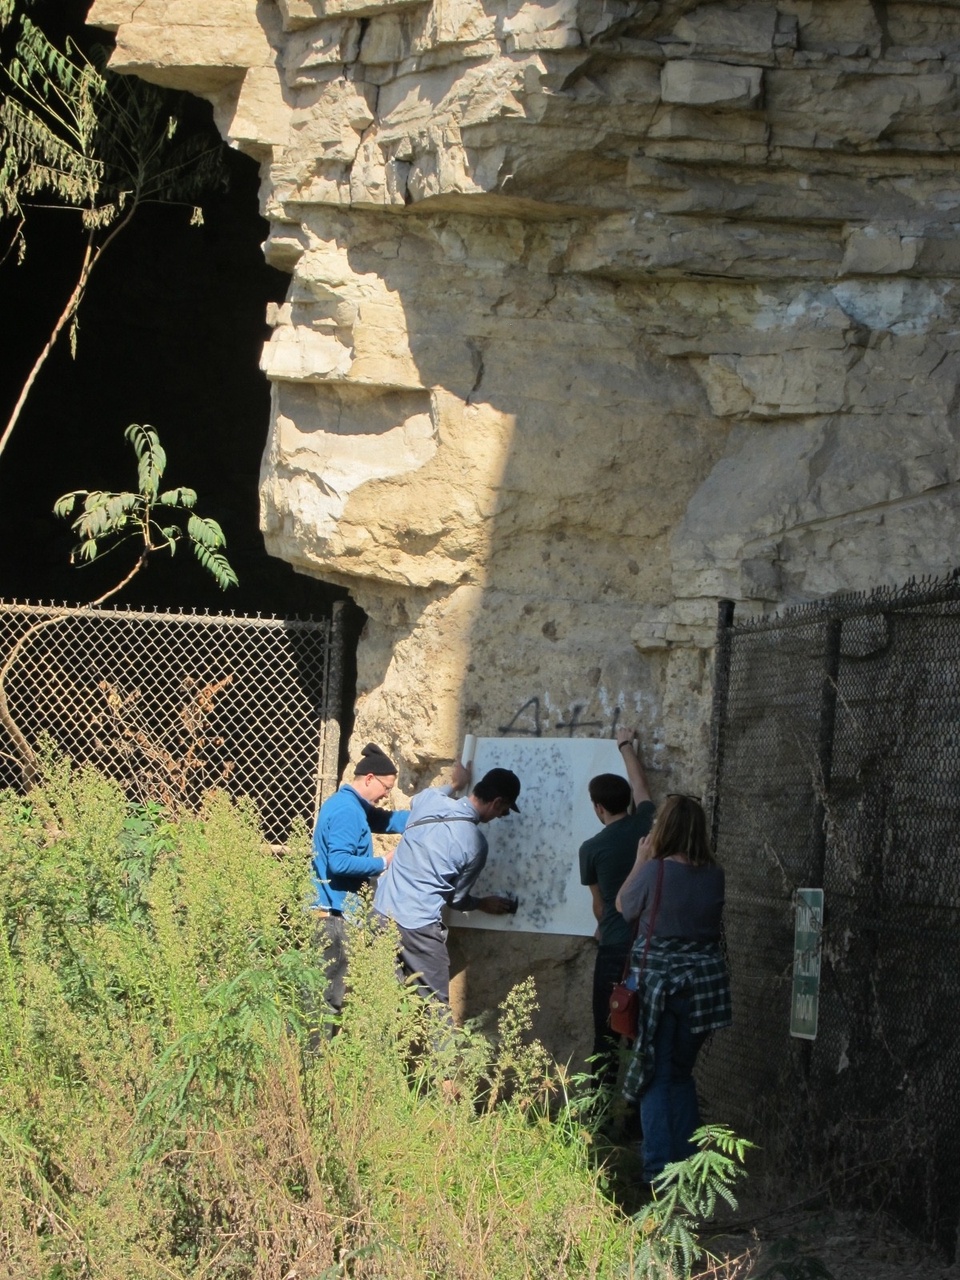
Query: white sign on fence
x=808 y=933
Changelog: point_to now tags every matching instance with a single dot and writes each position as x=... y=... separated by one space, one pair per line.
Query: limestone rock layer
x=598 y=311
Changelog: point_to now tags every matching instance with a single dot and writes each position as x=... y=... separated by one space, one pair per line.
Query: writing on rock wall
x=531 y=720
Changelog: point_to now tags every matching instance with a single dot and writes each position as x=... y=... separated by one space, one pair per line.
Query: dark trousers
x=331 y=941
x=423 y=953
x=607 y=972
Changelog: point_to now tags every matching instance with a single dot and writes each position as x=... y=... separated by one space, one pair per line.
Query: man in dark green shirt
x=606 y=859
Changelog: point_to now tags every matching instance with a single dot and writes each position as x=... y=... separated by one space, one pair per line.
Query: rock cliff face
x=598 y=311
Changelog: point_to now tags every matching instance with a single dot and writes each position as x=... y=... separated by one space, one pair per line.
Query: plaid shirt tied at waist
x=674 y=965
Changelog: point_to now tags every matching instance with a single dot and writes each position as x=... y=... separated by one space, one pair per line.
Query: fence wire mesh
x=172 y=704
x=837 y=765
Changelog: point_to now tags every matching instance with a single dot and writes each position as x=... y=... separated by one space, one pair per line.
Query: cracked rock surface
x=597 y=312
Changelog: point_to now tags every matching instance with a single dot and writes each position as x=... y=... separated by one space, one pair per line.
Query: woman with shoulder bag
x=675 y=893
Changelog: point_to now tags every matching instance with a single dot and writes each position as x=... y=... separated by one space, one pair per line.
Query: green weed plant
x=175 y=1102
x=685 y=1195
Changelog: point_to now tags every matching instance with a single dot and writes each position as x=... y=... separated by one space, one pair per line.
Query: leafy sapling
x=106 y=522
x=684 y=1195
x=109 y=520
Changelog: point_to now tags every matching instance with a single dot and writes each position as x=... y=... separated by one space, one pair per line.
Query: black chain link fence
x=837 y=765
x=172 y=704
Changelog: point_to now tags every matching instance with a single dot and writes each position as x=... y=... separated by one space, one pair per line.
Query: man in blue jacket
x=343 y=857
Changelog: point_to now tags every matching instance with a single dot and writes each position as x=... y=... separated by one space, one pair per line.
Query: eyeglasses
x=682 y=795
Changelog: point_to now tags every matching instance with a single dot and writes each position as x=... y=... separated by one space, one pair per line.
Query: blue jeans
x=668 y=1106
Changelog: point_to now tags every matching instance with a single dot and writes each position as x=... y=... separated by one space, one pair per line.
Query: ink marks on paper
x=533 y=853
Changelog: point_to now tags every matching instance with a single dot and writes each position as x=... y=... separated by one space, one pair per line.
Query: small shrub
x=684 y=1195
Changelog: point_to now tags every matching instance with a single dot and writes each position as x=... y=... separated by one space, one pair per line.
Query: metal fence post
x=329 y=771
x=721 y=689
x=828 y=720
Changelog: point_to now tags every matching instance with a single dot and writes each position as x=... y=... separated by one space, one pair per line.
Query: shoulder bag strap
x=453 y=817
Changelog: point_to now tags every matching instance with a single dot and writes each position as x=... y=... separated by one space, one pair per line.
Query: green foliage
x=493 y=1177
x=94 y=141
x=172 y=1100
x=47 y=127
x=107 y=520
x=151 y=459
x=684 y=1195
x=91 y=143
x=126 y=943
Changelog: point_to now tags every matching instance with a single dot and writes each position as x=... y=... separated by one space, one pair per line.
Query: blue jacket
x=343 y=857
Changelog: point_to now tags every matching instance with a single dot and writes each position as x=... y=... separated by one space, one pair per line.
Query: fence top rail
x=911 y=595
x=165 y=615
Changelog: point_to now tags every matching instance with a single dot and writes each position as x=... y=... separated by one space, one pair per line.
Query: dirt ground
x=822 y=1244
x=779 y=1236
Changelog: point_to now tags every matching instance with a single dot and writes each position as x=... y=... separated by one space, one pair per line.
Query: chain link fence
x=837 y=765
x=172 y=704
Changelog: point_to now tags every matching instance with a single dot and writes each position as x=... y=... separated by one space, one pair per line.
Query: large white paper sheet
x=533 y=853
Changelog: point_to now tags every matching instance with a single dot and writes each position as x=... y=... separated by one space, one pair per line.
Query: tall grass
x=172 y=1106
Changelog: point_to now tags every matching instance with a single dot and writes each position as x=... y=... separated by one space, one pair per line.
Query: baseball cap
x=502 y=783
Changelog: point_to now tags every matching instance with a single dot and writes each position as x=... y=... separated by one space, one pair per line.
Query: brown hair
x=610 y=790
x=681 y=827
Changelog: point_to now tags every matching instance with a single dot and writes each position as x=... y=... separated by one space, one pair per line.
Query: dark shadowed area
x=170 y=334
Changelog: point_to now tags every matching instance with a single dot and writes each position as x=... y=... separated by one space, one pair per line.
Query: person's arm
x=588 y=876
x=597 y=902
x=460 y=776
x=462 y=899
x=462 y=773
x=347 y=845
x=598 y=908
x=387 y=822
x=398 y=822
x=493 y=904
x=633 y=765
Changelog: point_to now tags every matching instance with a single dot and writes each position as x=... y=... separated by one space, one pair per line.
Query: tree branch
x=91 y=257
